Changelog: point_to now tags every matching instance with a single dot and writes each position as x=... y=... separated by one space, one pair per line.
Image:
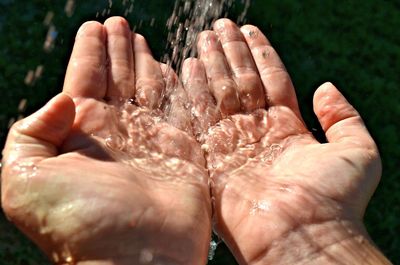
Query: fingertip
x=116 y=20
x=192 y=68
x=246 y=29
x=254 y=36
x=52 y=122
x=324 y=89
x=64 y=102
x=140 y=44
x=326 y=97
x=186 y=69
x=339 y=119
x=138 y=37
x=60 y=111
x=206 y=34
x=221 y=23
x=190 y=61
x=163 y=67
x=91 y=28
x=207 y=41
x=118 y=26
x=86 y=74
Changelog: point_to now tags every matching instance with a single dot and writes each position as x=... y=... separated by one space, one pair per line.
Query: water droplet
x=214 y=242
x=173 y=163
x=29 y=78
x=249 y=147
x=253 y=34
x=212 y=249
x=51 y=36
x=360 y=239
x=276 y=148
x=188 y=19
x=69 y=8
x=271 y=153
x=22 y=105
x=205 y=147
x=115 y=142
x=27 y=169
x=49 y=18
x=55 y=257
x=259 y=206
x=146 y=256
x=39 y=71
x=66 y=255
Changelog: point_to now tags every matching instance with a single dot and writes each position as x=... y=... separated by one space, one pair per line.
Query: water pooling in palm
x=272 y=181
x=100 y=167
x=144 y=185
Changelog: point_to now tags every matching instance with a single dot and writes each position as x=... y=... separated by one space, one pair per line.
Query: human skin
x=92 y=178
x=280 y=196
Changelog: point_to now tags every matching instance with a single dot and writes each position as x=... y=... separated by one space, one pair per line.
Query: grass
x=353 y=44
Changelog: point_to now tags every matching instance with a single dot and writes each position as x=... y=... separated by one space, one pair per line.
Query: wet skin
x=95 y=178
x=281 y=197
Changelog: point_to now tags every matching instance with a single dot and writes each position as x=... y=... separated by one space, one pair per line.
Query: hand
x=281 y=197
x=93 y=178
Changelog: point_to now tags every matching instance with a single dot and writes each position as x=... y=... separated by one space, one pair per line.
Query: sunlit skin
x=141 y=196
x=116 y=169
x=281 y=197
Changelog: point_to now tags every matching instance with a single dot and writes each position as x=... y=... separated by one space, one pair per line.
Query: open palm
x=92 y=165
x=272 y=181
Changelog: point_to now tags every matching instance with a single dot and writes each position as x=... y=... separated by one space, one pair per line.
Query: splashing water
x=271 y=153
x=188 y=19
x=215 y=241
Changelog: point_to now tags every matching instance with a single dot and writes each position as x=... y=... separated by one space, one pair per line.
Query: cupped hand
x=278 y=193
x=109 y=172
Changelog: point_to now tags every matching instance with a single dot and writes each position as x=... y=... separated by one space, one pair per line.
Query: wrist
x=337 y=241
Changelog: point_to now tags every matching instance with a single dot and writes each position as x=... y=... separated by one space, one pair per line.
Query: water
x=260 y=207
x=28 y=169
x=215 y=241
x=212 y=249
x=115 y=142
x=271 y=153
x=187 y=20
x=146 y=256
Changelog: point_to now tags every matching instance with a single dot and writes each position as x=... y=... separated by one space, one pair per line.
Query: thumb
x=339 y=119
x=38 y=136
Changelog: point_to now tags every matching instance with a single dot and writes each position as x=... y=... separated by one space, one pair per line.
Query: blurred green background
x=354 y=44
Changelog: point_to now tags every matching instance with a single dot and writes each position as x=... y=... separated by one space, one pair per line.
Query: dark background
x=354 y=44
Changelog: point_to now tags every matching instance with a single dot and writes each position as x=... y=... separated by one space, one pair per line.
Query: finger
x=149 y=78
x=340 y=121
x=39 y=135
x=121 y=75
x=204 y=111
x=175 y=104
x=222 y=86
x=87 y=69
x=245 y=73
x=276 y=80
